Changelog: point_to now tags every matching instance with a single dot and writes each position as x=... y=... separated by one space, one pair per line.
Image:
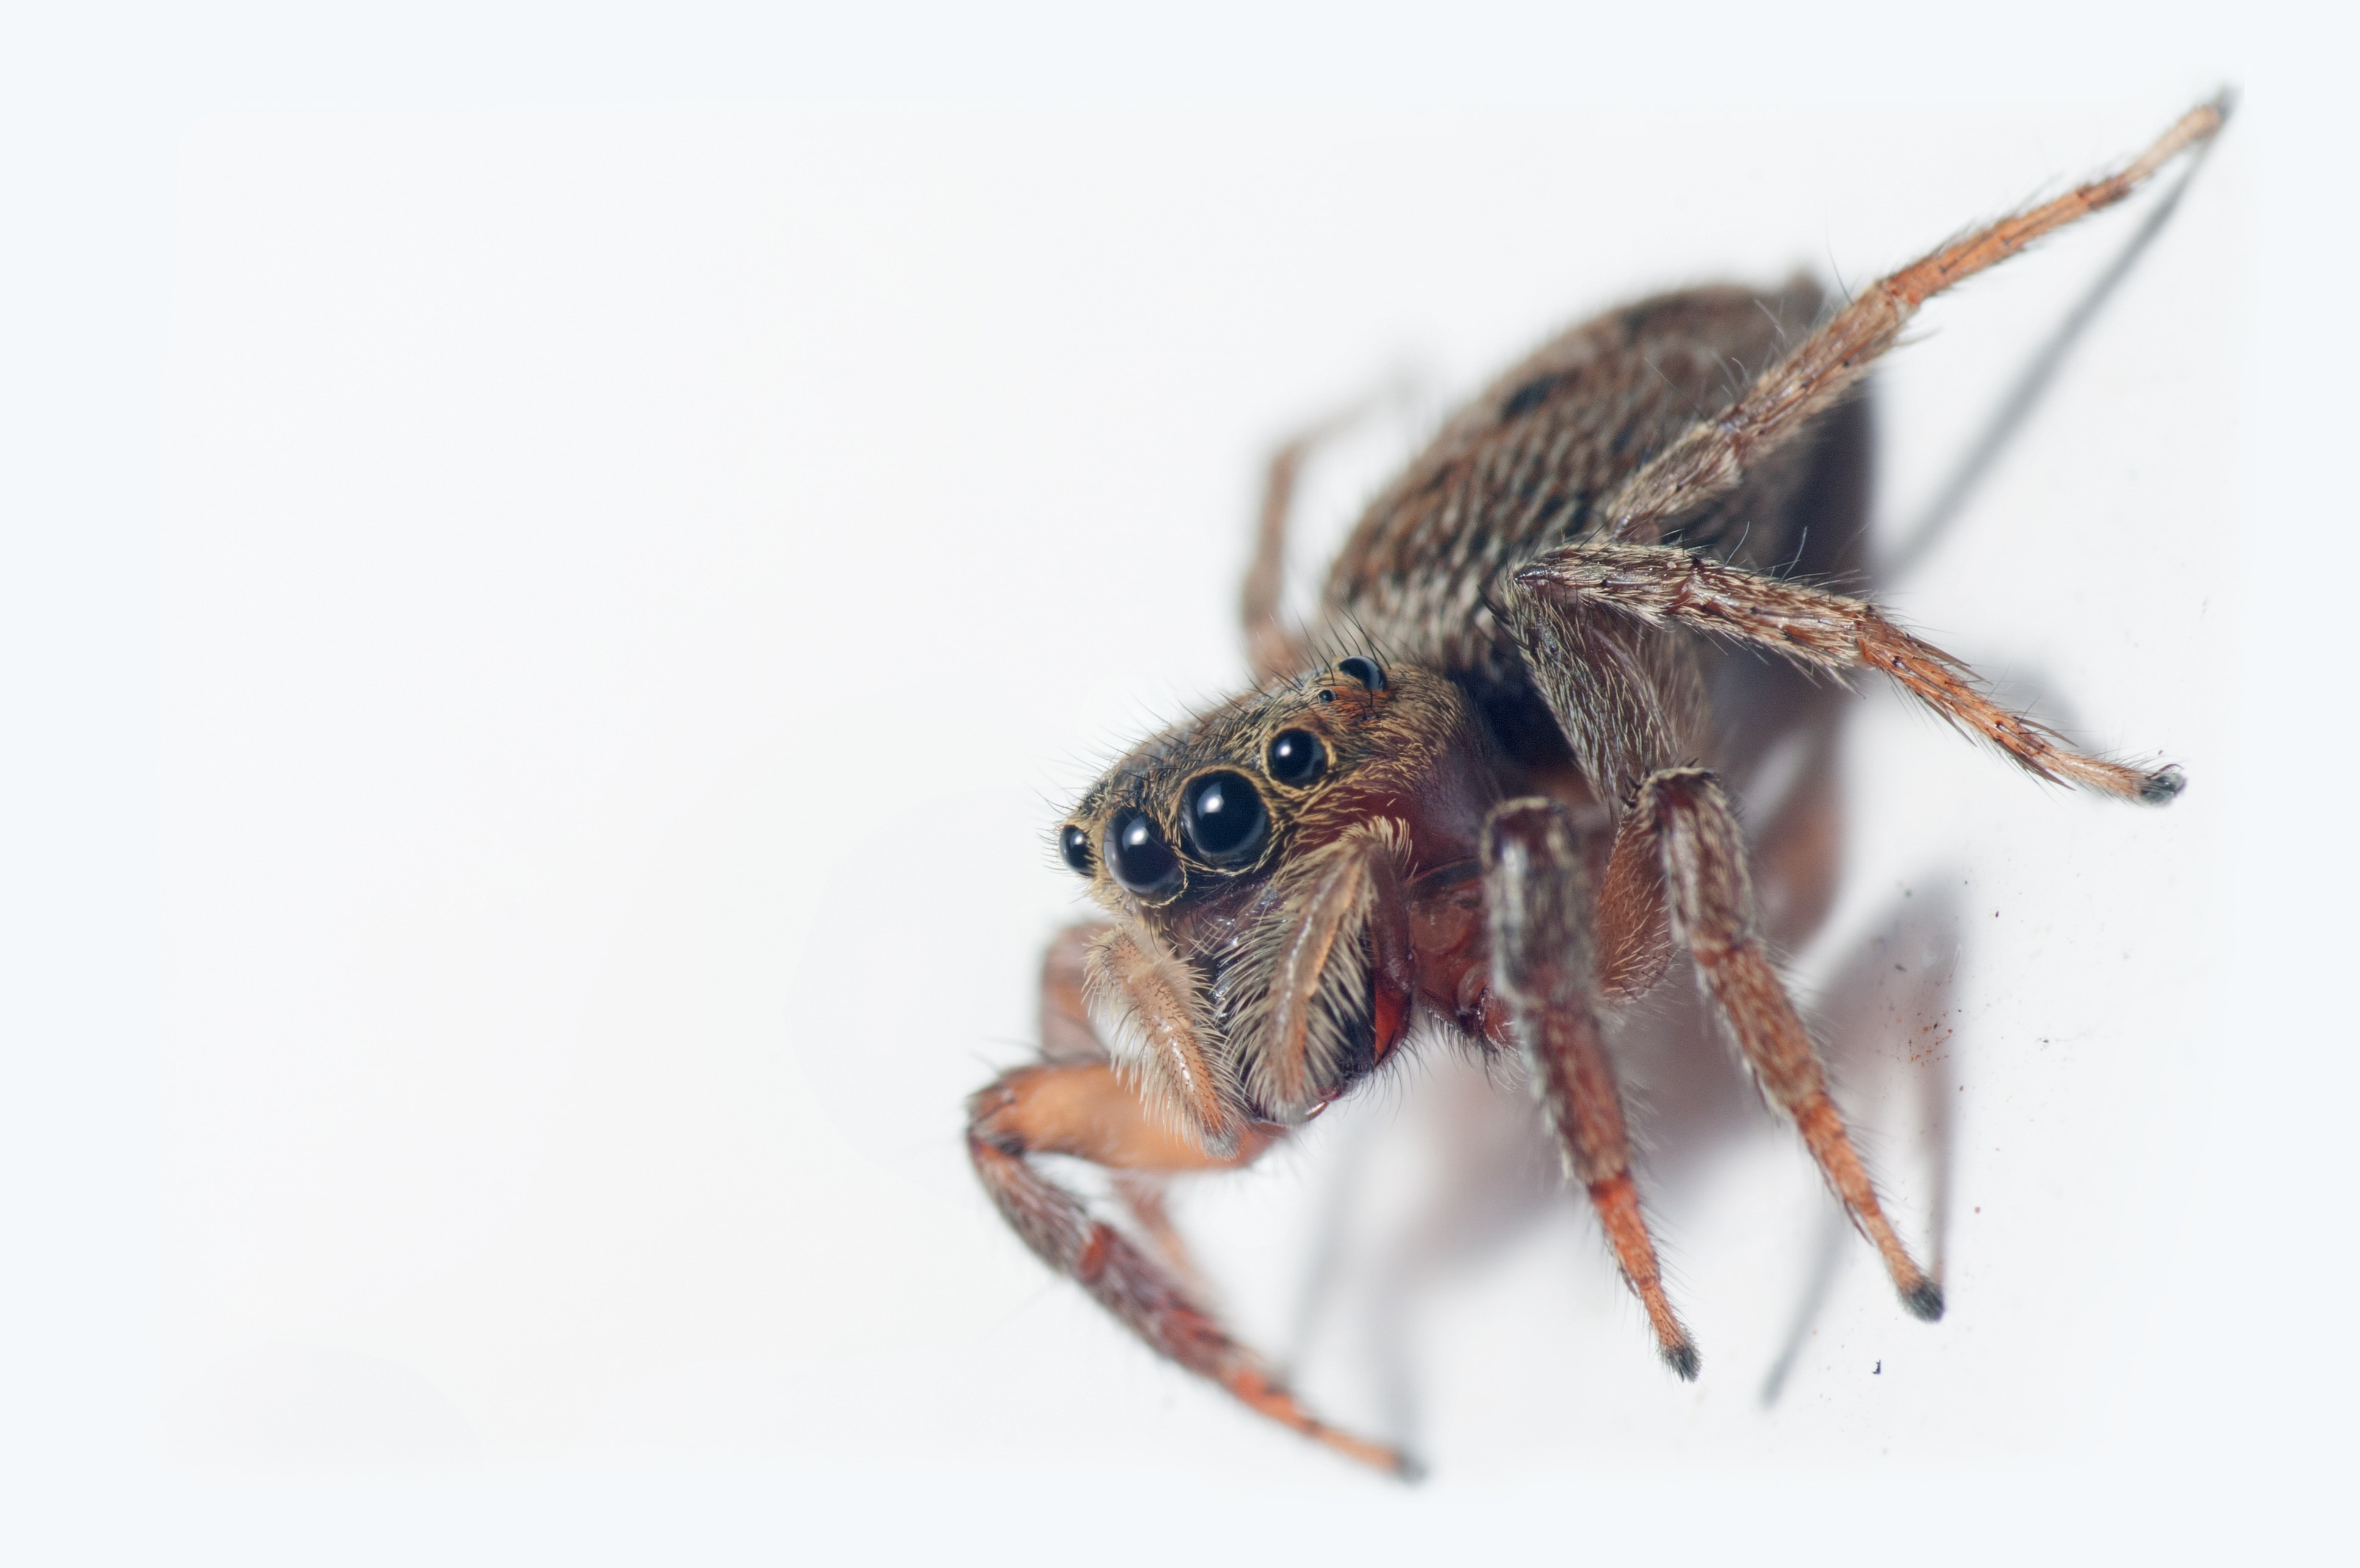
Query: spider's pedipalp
x=1323 y=982
x=1147 y=1006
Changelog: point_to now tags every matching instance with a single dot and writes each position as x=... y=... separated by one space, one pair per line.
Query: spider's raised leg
x=1658 y=586
x=1080 y=1106
x=1713 y=455
x=1537 y=889
x=1271 y=647
x=1714 y=917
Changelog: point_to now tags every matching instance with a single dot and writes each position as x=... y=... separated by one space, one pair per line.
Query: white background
x=564 y=579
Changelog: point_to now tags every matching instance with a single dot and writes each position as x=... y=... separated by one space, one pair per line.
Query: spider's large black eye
x=1363 y=671
x=1296 y=757
x=1224 y=819
x=1075 y=846
x=1140 y=859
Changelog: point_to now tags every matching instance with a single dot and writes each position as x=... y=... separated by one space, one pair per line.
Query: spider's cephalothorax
x=1501 y=812
x=1266 y=856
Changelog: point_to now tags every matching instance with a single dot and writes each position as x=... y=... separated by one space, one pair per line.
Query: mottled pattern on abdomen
x=1521 y=469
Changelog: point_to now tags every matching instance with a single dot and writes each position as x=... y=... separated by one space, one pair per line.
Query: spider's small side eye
x=1140 y=859
x=1224 y=819
x=1363 y=671
x=1296 y=757
x=1075 y=846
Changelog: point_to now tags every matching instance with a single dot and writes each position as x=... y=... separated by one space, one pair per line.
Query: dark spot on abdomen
x=1528 y=396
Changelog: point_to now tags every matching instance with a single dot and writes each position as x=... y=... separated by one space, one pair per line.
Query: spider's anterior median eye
x=1140 y=859
x=1296 y=757
x=1363 y=671
x=1075 y=846
x=1224 y=820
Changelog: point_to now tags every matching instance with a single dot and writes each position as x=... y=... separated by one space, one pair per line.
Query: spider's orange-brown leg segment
x=1076 y=1102
x=1271 y=648
x=1084 y=1109
x=1661 y=586
x=1711 y=457
x=1537 y=887
x=1714 y=914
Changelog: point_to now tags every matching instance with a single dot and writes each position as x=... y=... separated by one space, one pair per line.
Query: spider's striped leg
x=1713 y=915
x=1715 y=453
x=1078 y=1103
x=1537 y=889
x=1081 y=1108
x=1661 y=587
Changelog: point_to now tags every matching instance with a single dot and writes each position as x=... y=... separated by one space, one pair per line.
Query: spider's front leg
x=1661 y=588
x=1604 y=675
x=1075 y=1103
x=1536 y=890
x=1713 y=915
x=1715 y=453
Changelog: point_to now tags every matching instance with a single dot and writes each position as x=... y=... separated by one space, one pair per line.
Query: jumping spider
x=1480 y=789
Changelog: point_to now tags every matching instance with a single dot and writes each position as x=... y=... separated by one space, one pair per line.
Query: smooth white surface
x=635 y=584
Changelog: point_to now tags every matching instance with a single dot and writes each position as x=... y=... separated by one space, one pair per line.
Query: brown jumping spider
x=1480 y=789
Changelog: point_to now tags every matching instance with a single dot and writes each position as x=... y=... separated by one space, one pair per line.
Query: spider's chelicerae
x=1481 y=788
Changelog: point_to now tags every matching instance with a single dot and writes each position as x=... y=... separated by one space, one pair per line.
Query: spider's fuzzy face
x=1216 y=804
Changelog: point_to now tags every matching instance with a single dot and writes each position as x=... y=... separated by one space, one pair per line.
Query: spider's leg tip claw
x=1924 y=1300
x=1408 y=1469
x=2164 y=784
x=1682 y=1359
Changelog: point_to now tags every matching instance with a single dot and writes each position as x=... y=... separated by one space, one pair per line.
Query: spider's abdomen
x=1521 y=469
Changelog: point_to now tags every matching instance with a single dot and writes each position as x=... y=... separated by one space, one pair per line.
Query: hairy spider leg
x=1714 y=454
x=1662 y=586
x=1272 y=649
x=1537 y=888
x=1703 y=856
x=1083 y=1108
